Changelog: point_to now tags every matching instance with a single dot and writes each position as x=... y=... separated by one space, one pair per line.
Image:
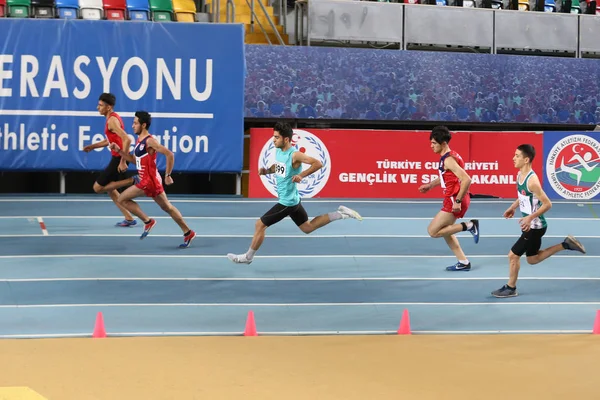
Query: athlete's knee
x=167 y=207
x=97 y=188
x=532 y=260
x=306 y=228
x=433 y=233
x=259 y=225
x=512 y=257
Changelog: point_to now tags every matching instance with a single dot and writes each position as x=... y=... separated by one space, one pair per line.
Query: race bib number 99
x=280 y=169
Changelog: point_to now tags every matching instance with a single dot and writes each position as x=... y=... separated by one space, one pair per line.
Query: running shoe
x=147 y=228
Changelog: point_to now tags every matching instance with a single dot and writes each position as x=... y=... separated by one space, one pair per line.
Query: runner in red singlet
x=113 y=176
x=148 y=182
x=455 y=184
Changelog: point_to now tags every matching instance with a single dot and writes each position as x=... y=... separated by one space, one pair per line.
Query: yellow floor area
x=288 y=368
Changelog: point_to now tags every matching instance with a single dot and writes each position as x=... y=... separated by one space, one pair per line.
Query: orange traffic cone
x=404 y=328
x=596 y=330
x=99 y=330
x=250 y=325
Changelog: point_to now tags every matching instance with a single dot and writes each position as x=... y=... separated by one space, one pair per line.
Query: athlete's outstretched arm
x=465 y=180
x=91 y=147
x=301 y=158
x=124 y=156
x=153 y=143
x=533 y=184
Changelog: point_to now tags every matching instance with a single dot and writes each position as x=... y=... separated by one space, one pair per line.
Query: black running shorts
x=297 y=213
x=111 y=172
x=529 y=243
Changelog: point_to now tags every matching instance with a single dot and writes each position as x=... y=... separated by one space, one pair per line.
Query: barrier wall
x=393 y=164
x=52 y=72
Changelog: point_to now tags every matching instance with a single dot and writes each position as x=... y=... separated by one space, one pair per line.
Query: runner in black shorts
x=533 y=203
x=296 y=213
x=288 y=171
x=113 y=176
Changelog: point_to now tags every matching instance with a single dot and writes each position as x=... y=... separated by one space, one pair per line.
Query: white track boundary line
x=281 y=236
x=299 y=279
x=498 y=303
x=369 y=256
x=273 y=201
x=294 y=333
x=91 y=217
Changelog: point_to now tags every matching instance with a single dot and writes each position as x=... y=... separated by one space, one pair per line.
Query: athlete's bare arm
x=124 y=156
x=264 y=171
x=115 y=127
x=301 y=158
x=534 y=186
x=510 y=211
x=153 y=143
x=465 y=180
x=93 y=146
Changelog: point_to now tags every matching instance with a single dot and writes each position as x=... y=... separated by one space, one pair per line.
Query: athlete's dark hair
x=144 y=117
x=108 y=98
x=284 y=129
x=440 y=134
x=528 y=151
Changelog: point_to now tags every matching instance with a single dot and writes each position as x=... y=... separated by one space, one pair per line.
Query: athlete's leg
x=165 y=204
x=125 y=200
x=170 y=209
x=271 y=217
x=570 y=243
x=108 y=182
x=301 y=218
x=441 y=223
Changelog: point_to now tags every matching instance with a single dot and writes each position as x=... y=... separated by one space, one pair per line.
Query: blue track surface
x=347 y=277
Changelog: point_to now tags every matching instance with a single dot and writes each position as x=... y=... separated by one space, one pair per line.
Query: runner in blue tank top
x=288 y=172
x=533 y=204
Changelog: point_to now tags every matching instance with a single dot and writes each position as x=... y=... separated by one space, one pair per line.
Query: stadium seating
x=18 y=8
x=138 y=10
x=67 y=9
x=115 y=9
x=550 y=6
x=43 y=8
x=91 y=9
x=2 y=8
x=185 y=10
x=162 y=10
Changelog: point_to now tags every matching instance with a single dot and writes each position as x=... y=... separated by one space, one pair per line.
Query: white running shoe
x=349 y=213
x=239 y=258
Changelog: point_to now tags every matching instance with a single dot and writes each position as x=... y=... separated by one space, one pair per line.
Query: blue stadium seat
x=67 y=9
x=549 y=6
x=139 y=10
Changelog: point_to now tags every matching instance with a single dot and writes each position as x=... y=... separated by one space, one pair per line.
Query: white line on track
x=368 y=256
x=298 y=279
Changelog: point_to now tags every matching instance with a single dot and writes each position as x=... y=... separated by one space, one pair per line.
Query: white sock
x=469 y=225
x=335 y=215
x=250 y=254
x=464 y=262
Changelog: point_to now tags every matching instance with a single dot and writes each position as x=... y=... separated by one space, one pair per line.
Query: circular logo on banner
x=572 y=167
x=312 y=146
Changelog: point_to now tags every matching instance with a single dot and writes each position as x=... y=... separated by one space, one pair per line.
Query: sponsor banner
x=389 y=164
x=571 y=162
x=52 y=73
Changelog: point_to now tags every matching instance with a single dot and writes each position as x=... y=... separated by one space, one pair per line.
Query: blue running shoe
x=475 y=230
x=125 y=223
x=459 y=267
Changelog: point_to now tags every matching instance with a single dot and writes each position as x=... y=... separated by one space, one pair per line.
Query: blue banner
x=190 y=77
x=571 y=165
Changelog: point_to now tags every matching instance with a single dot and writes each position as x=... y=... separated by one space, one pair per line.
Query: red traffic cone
x=596 y=330
x=404 y=328
x=99 y=330
x=250 y=325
